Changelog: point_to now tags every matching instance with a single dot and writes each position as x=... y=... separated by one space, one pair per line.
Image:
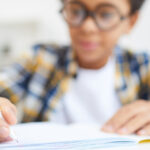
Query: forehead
x=122 y=5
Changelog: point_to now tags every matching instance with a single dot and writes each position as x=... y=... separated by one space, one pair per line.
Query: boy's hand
x=8 y=111
x=132 y=118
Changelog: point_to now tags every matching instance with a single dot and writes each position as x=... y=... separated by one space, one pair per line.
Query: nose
x=89 y=26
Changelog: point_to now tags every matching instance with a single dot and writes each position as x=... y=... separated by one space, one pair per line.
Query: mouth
x=88 y=46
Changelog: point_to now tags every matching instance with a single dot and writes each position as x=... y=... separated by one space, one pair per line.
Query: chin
x=89 y=58
x=89 y=55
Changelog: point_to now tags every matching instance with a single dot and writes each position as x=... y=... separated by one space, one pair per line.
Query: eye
x=76 y=12
x=106 y=15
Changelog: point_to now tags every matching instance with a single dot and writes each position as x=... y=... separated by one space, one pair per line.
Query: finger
x=4 y=101
x=4 y=130
x=9 y=115
x=8 y=112
x=6 y=140
x=145 y=131
x=124 y=115
x=135 y=124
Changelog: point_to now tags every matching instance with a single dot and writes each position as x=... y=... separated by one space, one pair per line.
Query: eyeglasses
x=106 y=16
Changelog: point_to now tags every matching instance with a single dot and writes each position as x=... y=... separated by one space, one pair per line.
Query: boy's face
x=93 y=44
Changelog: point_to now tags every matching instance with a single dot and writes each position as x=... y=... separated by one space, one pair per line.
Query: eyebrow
x=103 y=3
x=100 y=4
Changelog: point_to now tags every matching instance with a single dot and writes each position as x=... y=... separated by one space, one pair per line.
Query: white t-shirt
x=91 y=97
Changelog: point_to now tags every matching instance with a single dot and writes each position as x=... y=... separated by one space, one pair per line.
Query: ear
x=132 y=21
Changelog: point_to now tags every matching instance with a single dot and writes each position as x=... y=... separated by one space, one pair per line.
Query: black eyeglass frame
x=92 y=14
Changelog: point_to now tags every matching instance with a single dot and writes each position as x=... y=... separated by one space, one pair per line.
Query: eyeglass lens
x=105 y=16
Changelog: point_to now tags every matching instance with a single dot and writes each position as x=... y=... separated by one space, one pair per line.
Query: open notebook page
x=78 y=136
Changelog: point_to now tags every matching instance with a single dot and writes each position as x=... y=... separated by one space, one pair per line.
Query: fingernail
x=8 y=139
x=142 y=132
x=4 y=131
x=123 y=131
x=12 y=118
x=108 y=128
x=12 y=111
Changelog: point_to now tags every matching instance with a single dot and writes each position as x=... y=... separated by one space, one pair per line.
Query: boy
x=93 y=81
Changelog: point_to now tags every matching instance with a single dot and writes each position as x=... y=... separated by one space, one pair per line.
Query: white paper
x=38 y=136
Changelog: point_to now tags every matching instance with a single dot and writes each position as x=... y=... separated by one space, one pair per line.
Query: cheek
x=74 y=33
x=111 y=38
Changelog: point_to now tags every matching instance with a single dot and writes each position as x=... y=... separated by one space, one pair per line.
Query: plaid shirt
x=37 y=84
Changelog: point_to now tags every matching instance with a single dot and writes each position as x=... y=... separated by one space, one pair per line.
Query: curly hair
x=135 y=5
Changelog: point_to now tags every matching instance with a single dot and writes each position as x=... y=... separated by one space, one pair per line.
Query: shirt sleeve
x=144 y=73
x=15 y=78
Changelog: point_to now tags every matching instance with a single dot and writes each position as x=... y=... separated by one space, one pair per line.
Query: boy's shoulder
x=133 y=57
x=51 y=49
x=53 y=54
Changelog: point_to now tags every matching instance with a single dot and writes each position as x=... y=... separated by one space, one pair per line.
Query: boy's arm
x=14 y=79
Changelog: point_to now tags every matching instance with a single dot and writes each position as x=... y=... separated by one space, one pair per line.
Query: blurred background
x=24 y=23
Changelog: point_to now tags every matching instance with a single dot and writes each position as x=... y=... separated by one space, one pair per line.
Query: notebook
x=50 y=136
